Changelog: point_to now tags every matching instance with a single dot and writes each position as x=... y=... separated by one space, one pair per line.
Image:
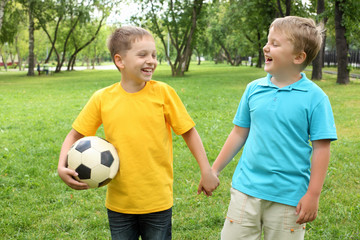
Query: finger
x=75 y=184
x=207 y=193
x=312 y=217
x=200 y=188
x=298 y=208
x=301 y=217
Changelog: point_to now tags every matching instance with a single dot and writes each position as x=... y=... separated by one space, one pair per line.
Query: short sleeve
x=322 y=123
x=89 y=119
x=242 y=116
x=175 y=112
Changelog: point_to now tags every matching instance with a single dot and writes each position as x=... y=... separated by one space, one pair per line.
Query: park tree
x=321 y=19
x=82 y=37
x=176 y=20
x=257 y=17
x=346 y=29
x=2 y=10
x=342 y=46
x=30 y=7
x=97 y=50
x=12 y=16
x=71 y=26
x=31 y=61
x=225 y=28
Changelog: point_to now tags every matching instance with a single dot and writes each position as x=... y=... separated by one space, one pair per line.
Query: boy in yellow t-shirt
x=138 y=114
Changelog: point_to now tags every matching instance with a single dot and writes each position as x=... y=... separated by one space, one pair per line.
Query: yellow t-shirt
x=138 y=125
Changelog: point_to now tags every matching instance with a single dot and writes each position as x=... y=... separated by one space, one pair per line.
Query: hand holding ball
x=95 y=160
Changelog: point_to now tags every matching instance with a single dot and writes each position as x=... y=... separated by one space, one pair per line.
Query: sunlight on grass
x=37 y=113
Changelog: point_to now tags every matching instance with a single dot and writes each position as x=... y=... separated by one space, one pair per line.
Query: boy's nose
x=151 y=60
x=266 y=48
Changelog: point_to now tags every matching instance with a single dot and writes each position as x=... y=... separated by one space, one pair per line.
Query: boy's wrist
x=314 y=193
x=215 y=171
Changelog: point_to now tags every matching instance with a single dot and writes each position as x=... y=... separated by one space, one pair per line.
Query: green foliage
x=36 y=115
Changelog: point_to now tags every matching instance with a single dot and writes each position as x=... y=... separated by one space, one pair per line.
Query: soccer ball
x=94 y=159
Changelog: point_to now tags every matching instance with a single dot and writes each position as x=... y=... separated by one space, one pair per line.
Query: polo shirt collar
x=301 y=85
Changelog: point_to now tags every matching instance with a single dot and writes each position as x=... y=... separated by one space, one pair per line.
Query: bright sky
x=126 y=11
x=129 y=8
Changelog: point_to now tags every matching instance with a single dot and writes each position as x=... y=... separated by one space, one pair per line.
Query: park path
x=112 y=67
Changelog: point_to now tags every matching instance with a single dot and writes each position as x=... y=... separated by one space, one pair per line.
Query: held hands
x=67 y=175
x=307 y=208
x=208 y=183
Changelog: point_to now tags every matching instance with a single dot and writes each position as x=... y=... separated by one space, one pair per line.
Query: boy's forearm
x=232 y=146
x=70 y=139
x=194 y=143
x=319 y=165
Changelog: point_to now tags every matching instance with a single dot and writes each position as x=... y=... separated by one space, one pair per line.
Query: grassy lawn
x=36 y=113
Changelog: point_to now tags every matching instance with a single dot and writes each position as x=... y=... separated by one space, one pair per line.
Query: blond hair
x=303 y=33
x=119 y=42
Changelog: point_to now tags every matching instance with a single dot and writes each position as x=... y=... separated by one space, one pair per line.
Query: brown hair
x=121 y=39
x=303 y=33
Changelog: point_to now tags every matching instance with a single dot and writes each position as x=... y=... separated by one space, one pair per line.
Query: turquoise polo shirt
x=276 y=159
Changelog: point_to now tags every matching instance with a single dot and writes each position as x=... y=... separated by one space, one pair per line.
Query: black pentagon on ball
x=83 y=145
x=83 y=171
x=107 y=158
x=105 y=182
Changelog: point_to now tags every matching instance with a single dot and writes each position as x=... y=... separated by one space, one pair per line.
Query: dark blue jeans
x=152 y=226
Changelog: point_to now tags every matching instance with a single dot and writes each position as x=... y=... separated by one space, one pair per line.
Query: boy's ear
x=300 y=58
x=118 y=61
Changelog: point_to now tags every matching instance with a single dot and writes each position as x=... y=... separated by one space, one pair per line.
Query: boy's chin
x=267 y=69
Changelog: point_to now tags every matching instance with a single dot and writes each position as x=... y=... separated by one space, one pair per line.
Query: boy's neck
x=286 y=79
x=132 y=86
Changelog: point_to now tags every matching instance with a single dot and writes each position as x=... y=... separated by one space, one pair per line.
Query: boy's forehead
x=145 y=38
x=279 y=33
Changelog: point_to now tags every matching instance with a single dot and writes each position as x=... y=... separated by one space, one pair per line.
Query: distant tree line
x=235 y=31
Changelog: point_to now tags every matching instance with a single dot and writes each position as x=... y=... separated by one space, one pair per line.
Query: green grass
x=36 y=114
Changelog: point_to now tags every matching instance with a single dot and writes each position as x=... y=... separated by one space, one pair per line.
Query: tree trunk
x=319 y=60
x=4 y=59
x=60 y=64
x=2 y=8
x=260 y=51
x=31 y=41
x=288 y=7
x=53 y=48
x=78 y=49
x=198 y=56
x=183 y=47
x=18 y=52
x=342 y=47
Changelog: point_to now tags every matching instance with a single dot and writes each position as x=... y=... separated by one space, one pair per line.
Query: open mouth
x=147 y=71
x=268 y=59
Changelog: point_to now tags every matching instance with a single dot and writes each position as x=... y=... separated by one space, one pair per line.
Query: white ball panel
x=100 y=173
x=100 y=144
x=74 y=158
x=114 y=168
x=91 y=158
x=91 y=183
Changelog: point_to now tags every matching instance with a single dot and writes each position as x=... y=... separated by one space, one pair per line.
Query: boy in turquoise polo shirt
x=273 y=190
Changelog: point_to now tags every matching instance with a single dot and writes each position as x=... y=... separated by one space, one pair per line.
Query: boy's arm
x=65 y=173
x=308 y=205
x=209 y=181
x=232 y=146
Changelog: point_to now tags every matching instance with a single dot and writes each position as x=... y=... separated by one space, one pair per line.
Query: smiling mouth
x=147 y=70
x=268 y=59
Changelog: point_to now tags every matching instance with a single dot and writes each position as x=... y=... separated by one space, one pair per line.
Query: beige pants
x=247 y=217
